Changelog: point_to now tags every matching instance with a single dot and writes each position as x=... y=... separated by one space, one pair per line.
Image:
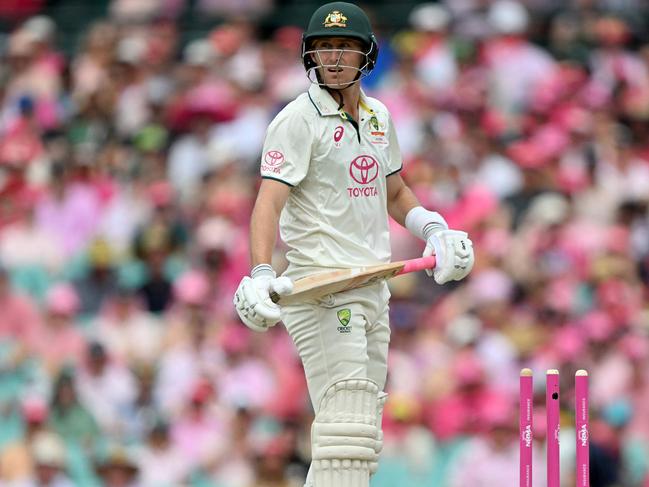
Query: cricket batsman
x=330 y=169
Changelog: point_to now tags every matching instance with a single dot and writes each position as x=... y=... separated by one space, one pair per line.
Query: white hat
x=508 y=17
x=48 y=449
x=131 y=50
x=548 y=209
x=41 y=27
x=429 y=17
x=463 y=330
x=198 y=53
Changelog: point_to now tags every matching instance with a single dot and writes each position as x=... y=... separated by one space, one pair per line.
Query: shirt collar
x=327 y=106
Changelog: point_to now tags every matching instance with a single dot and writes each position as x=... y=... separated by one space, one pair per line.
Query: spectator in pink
x=60 y=343
x=133 y=336
x=107 y=388
x=70 y=210
x=20 y=320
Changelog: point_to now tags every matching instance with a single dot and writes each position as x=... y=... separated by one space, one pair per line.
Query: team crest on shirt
x=363 y=170
x=374 y=123
x=335 y=19
x=344 y=317
x=273 y=161
x=377 y=132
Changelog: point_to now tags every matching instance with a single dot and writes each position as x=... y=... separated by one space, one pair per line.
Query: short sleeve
x=287 y=148
x=395 y=161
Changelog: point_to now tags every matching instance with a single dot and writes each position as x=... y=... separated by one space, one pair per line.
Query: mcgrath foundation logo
x=335 y=19
x=583 y=435
x=527 y=436
x=364 y=169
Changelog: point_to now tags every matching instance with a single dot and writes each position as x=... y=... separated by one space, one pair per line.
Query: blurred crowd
x=128 y=169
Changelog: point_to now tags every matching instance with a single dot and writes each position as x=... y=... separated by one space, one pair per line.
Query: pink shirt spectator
x=73 y=216
x=201 y=433
x=59 y=344
x=108 y=390
x=132 y=336
x=515 y=68
x=25 y=245
x=19 y=318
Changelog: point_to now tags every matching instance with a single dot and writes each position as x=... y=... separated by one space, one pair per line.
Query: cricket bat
x=331 y=282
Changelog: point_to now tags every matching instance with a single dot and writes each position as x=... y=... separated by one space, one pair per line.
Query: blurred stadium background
x=130 y=133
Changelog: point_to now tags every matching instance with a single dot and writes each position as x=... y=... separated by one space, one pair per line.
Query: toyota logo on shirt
x=274 y=158
x=364 y=169
x=272 y=162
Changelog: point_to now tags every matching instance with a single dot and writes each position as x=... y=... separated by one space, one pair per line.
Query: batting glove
x=453 y=251
x=252 y=298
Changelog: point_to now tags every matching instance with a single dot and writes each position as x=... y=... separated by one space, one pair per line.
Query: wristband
x=423 y=223
x=262 y=270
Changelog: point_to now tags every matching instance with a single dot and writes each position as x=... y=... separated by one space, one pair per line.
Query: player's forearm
x=263 y=233
x=400 y=203
x=271 y=199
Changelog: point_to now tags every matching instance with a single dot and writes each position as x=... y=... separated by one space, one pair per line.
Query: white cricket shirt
x=336 y=214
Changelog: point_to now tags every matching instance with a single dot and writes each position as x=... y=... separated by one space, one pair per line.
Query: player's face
x=339 y=60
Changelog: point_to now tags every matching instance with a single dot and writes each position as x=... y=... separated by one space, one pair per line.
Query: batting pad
x=345 y=434
x=380 y=403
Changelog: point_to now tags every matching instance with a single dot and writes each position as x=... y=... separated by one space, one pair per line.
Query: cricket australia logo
x=344 y=317
x=363 y=170
x=377 y=131
x=374 y=122
x=335 y=19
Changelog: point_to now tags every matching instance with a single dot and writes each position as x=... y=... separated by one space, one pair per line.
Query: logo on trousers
x=344 y=316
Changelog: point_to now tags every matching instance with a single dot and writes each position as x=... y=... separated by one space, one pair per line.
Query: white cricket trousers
x=342 y=336
x=332 y=348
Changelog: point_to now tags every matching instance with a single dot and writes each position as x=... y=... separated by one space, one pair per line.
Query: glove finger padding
x=454 y=254
x=244 y=310
x=263 y=306
x=253 y=304
x=445 y=272
x=282 y=285
x=466 y=262
x=428 y=251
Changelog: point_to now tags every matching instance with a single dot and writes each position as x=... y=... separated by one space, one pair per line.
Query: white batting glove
x=453 y=251
x=252 y=298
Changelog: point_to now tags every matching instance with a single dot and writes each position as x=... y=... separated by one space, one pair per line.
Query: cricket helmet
x=340 y=19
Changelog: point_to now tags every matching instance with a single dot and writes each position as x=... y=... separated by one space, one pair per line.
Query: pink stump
x=525 y=425
x=581 y=428
x=552 y=405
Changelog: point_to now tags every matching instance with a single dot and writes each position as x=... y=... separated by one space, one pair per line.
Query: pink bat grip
x=414 y=265
x=552 y=406
x=581 y=427
x=526 y=419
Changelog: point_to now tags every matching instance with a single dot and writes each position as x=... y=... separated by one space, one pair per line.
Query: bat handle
x=419 y=264
x=274 y=297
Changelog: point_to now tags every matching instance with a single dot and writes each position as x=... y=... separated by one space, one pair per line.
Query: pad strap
x=380 y=404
